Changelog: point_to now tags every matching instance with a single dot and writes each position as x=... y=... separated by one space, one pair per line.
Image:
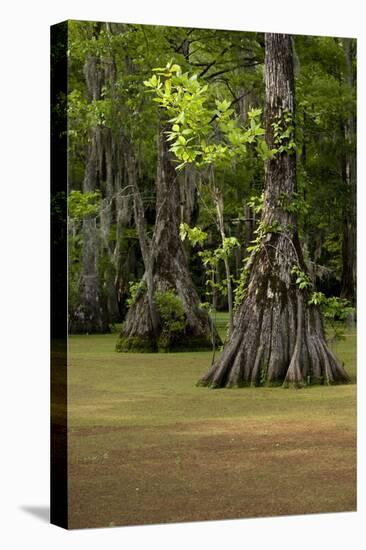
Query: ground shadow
x=40 y=512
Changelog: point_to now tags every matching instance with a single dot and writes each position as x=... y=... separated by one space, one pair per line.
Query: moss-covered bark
x=91 y=314
x=166 y=269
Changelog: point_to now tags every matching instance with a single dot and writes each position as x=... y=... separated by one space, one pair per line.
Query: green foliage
x=326 y=102
x=284 y=133
x=317 y=299
x=262 y=231
x=172 y=316
x=241 y=285
x=195 y=235
x=171 y=310
x=256 y=203
x=303 y=280
x=83 y=205
x=136 y=288
x=83 y=115
x=130 y=233
x=228 y=245
x=335 y=310
x=296 y=204
x=210 y=257
x=195 y=122
x=332 y=251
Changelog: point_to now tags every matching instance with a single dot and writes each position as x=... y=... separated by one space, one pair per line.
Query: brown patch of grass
x=234 y=473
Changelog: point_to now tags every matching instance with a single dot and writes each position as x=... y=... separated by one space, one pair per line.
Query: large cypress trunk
x=166 y=268
x=278 y=337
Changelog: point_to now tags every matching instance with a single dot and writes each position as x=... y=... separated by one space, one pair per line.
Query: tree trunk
x=349 y=271
x=107 y=213
x=219 y=204
x=99 y=285
x=166 y=264
x=277 y=338
x=91 y=314
x=188 y=196
x=145 y=244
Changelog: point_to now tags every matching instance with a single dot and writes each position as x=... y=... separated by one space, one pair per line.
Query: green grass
x=148 y=446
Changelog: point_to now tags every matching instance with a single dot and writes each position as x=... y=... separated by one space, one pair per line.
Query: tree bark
x=349 y=244
x=277 y=338
x=166 y=269
x=189 y=204
x=101 y=280
x=91 y=315
x=145 y=244
x=219 y=204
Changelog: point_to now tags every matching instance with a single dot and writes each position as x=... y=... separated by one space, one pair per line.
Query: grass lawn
x=148 y=446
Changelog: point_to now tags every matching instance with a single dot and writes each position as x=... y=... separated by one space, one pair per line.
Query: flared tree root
x=277 y=344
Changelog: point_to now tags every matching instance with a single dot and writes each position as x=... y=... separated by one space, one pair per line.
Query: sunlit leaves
x=195 y=235
x=204 y=129
x=303 y=280
x=82 y=205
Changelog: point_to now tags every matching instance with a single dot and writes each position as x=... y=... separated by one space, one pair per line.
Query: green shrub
x=172 y=316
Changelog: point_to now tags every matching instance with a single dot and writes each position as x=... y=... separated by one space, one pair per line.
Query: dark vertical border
x=59 y=493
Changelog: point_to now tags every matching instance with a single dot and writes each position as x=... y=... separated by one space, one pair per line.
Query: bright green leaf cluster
x=135 y=289
x=284 y=133
x=303 y=280
x=262 y=231
x=317 y=299
x=83 y=205
x=195 y=235
x=210 y=258
x=200 y=132
x=256 y=203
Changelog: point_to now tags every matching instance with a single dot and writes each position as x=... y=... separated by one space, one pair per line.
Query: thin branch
x=240 y=66
x=207 y=68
